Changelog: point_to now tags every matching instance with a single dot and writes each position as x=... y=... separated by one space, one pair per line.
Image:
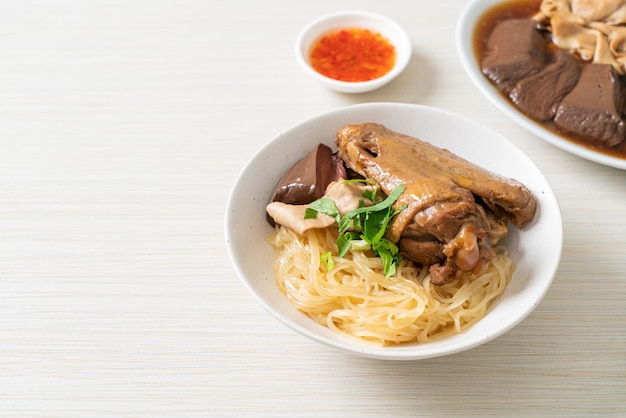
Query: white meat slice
x=345 y=195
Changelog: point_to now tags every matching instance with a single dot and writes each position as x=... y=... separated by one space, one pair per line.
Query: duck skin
x=456 y=211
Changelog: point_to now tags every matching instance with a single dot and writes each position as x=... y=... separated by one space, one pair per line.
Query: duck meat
x=456 y=211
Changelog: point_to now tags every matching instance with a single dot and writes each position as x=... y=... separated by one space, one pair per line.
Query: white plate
x=464 y=40
x=536 y=249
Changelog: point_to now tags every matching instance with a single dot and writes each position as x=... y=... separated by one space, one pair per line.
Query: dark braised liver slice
x=515 y=50
x=592 y=111
x=308 y=178
x=539 y=95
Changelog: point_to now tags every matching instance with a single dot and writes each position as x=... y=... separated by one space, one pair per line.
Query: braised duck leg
x=456 y=211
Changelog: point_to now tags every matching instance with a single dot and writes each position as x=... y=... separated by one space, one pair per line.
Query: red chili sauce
x=353 y=54
x=527 y=9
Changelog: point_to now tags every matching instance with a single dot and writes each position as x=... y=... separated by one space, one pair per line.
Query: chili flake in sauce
x=353 y=54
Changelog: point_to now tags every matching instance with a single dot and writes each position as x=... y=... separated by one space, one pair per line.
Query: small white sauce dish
x=386 y=27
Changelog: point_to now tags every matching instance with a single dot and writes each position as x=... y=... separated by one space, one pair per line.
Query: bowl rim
x=465 y=50
x=537 y=290
x=403 y=49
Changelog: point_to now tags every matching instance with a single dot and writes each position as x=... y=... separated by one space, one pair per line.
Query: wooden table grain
x=123 y=125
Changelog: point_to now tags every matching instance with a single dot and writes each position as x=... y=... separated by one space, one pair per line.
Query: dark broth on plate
x=527 y=9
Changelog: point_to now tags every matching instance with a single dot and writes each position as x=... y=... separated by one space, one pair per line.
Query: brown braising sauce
x=527 y=9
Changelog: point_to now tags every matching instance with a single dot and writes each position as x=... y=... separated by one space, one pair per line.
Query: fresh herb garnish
x=322 y=205
x=327 y=260
x=364 y=228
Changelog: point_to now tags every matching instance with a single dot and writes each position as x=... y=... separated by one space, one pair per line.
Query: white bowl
x=465 y=46
x=365 y=20
x=536 y=249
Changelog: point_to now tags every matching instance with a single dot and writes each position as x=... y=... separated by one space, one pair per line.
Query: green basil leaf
x=363 y=228
x=344 y=224
x=322 y=205
x=310 y=213
x=343 y=245
x=389 y=200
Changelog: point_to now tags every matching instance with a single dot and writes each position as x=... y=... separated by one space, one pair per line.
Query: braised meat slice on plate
x=515 y=50
x=456 y=211
x=593 y=110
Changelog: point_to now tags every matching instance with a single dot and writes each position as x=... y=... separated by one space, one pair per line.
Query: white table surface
x=123 y=125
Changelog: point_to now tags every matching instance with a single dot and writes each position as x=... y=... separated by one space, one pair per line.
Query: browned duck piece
x=456 y=211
